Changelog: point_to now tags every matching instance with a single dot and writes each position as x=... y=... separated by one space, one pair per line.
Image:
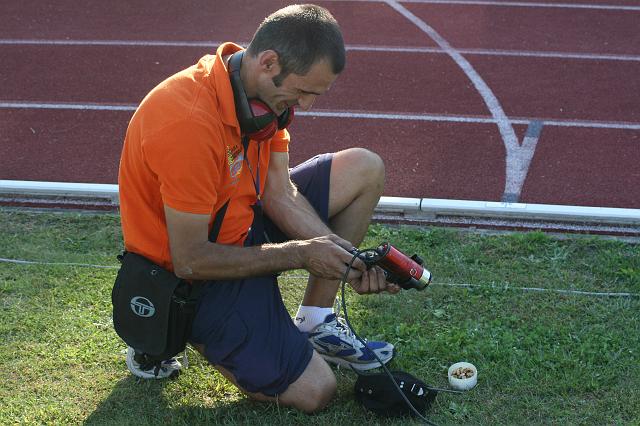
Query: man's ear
x=269 y=62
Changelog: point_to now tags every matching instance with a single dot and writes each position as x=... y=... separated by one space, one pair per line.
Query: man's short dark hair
x=301 y=35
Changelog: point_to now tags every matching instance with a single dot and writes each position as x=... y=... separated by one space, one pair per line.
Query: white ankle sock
x=308 y=317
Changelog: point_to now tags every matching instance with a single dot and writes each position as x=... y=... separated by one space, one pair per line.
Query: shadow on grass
x=142 y=402
x=166 y=402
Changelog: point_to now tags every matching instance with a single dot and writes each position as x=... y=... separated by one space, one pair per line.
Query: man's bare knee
x=317 y=396
x=314 y=389
x=363 y=162
x=356 y=174
x=374 y=163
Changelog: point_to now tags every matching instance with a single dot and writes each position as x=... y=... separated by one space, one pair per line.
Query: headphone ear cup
x=257 y=121
x=285 y=118
x=264 y=123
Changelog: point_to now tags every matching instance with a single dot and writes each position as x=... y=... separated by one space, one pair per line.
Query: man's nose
x=306 y=101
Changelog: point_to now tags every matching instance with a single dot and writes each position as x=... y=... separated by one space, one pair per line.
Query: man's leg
x=311 y=392
x=356 y=184
x=355 y=180
x=243 y=329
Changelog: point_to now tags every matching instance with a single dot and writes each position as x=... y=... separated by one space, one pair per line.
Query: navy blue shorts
x=244 y=324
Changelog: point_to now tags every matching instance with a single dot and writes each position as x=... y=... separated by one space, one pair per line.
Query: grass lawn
x=543 y=357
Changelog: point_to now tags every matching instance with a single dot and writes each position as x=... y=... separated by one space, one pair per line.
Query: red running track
x=573 y=70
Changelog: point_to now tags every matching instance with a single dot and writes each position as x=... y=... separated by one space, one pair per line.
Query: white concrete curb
x=409 y=207
x=547 y=212
x=60 y=189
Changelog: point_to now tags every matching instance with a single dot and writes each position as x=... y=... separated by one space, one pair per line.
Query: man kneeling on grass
x=183 y=159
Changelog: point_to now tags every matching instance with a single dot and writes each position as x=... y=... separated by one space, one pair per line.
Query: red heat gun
x=407 y=272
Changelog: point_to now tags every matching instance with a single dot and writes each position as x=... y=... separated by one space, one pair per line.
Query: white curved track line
x=510 y=4
x=514 y=175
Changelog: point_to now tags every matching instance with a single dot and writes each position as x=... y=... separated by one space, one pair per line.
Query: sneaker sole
x=356 y=366
x=144 y=375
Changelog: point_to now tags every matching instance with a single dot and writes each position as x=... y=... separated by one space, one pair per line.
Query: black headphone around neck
x=257 y=120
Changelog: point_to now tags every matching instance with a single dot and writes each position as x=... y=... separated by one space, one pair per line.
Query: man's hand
x=373 y=281
x=328 y=257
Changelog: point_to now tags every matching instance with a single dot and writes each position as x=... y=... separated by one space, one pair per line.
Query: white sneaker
x=335 y=342
x=141 y=367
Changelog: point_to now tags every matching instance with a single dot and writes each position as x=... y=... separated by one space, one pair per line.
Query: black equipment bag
x=378 y=394
x=153 y=309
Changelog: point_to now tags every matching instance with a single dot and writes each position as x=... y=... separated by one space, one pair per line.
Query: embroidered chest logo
x=234 y=159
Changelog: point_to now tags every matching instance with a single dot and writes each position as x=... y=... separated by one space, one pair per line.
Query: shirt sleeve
x=186 y=160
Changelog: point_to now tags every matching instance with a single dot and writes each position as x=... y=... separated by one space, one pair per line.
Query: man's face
x=295 y=89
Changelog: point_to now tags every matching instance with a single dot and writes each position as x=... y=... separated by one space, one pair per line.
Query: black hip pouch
x=153 y=309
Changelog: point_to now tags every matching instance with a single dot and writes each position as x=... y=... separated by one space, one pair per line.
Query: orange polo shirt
x=183 y=149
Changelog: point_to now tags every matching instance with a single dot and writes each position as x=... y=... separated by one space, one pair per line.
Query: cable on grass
x=463 y=285
x=35 y=262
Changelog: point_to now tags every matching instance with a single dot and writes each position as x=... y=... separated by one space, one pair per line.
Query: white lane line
x=558 y=55
x=354 y=115
x=521 y=161
x=511 y=4
x=470 y=119
x=592 y=124
x=143 y=43
x=499 y=52
x=351 y=47
x=509 y=138
x=400 y=116
x=529 y=4
x=52 y=105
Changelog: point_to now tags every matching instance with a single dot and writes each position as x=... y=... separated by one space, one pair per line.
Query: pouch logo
x=142 y=307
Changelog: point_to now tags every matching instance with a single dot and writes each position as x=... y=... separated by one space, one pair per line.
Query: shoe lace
x=346 y=332
x=343 y=328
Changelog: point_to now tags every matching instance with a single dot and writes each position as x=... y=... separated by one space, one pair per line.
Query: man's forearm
x=213 y=261
x=295 y=216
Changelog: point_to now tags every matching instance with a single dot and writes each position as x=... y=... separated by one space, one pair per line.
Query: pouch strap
x=217 y=222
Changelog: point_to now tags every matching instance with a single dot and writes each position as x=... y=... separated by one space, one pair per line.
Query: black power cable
x=356 y=254
x=346 y=318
